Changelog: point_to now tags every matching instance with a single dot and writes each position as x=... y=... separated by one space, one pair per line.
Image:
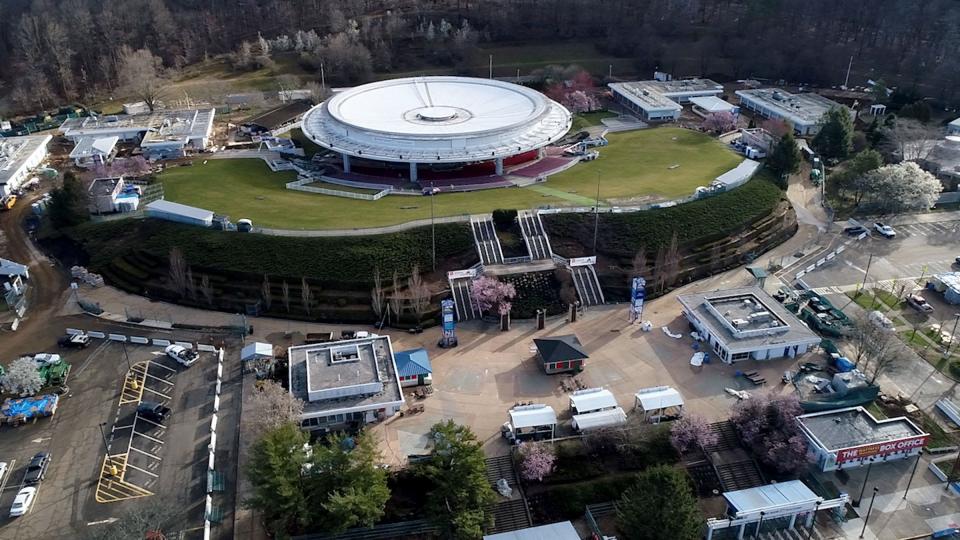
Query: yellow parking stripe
x=112 y=488
x=134 y=383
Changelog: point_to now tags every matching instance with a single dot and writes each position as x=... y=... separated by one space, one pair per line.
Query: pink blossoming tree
x=720 y=122
x=489 y=293
x=691 y=432
x=536 y=461
x=768 y=425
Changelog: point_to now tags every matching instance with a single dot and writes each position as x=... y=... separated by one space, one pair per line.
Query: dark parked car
x=37 y=468
x=855 y=231
x=153 y=411
x=76 y=341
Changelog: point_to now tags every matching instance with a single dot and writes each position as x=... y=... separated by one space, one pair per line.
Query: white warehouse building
x=18 y=156
x=801 y=111
x=660 y=101
x=746 y=323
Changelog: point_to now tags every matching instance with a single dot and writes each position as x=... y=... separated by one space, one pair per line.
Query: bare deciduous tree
x=178 y=271
x=911 y=140
x=191 y=285
x=305 y=295
x=285 y=296
x=206 y=289
x=716 y=257
x=660 y=269
x=273 y=406
x=377 y=294
x=639 y=263
x=671 y=261
x=140 y=73
x=266 y=293
x=418 y=293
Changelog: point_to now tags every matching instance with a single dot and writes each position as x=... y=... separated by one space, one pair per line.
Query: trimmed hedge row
x=703 y=221
x=343 y=260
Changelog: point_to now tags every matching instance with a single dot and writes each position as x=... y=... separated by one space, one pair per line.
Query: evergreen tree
x=660 y=505
x=457 y=471
x=835 y=138
x=68 y=203
x=276 y=471
x=785 y=158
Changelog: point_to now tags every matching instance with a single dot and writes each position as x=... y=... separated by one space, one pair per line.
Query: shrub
x=955 y=368
x=503 y=219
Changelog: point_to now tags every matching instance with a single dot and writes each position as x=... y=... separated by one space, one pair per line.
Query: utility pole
x=953 y=336
x=491 y=67
x=596 y=216
x=323 y=79
x=846 y=80
x=866 y=273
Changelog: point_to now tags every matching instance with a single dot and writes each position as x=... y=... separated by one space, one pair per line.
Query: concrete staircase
x=463 y=304
x=587 y=284
x=534 y=235
x=485 y=238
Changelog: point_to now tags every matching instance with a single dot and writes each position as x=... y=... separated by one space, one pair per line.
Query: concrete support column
x=740 y=533
x=793 y=520
x=709 y=533
x=413 y=172
x=810 y=518
x=346 y=162
x=499 y=164
x=541 y=152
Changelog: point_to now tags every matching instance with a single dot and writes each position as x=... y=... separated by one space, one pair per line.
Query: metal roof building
x=561 y=353
x=436 y=120
x=180 y=213
x=563 y=530
x=413 y=367
x=802 y=111
x=161 y=134
x=592 y=399
x=18 y=155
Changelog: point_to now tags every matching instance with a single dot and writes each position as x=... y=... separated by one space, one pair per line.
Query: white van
x=880 y=320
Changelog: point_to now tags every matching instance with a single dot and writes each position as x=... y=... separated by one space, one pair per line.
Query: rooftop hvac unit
x=777 y=96
x=737 y=323
x=758 y=316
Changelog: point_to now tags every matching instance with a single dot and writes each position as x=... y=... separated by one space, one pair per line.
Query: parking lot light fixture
x=953 y=335
x=103 y=436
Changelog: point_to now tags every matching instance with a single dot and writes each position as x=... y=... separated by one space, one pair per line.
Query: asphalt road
x=920 y=249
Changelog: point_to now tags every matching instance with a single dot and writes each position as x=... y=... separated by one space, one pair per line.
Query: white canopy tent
x=533 y=420
x=599 y=419
x=657 y=400
x=592 y=399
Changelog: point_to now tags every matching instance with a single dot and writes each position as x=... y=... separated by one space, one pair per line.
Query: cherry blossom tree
x=536 y=461
x=777 y=128
x=720 y=122
x=691 y=432
x=489 y=293
x=768 y=425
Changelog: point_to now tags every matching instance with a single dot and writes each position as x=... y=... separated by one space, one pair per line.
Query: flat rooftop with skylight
x=746 y=323
x=345 y=381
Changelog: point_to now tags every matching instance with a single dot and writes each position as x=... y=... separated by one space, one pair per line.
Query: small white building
x=657 y=401
x=19 y=156
x=595 y=408
x=180 y=213
x=801 y=111
x=852 y=437
x=536 y=421
x=345 y=384
x=91 y=151
x=11 y=269
x=746 y=323
x=704 y=105
x=648 y=105
x=953 y=128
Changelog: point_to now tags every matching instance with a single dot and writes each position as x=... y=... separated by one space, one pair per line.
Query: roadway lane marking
x=135 y=432
x=159 y=365
x=144 y=471
x=152 y=391
x=148 y=454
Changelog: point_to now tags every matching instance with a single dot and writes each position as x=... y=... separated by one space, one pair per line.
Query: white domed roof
x=436 y=119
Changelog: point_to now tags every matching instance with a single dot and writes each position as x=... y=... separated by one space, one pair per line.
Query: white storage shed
x=655 y=401
x=180 y=213
x=533 y=420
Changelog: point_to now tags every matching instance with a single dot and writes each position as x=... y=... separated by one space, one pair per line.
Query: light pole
x=910 y=481
x=864 y=486
x=103 y=436
x=759 y=524
x=870 y=509
x=813 y=523
x=953 y=473
x=596 y=216
x=433 y=229
x=953 y=336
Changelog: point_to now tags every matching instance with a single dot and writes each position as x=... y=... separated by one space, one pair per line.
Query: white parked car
x=880 y=320
x=182 y=355
x=884 y=230
x=23 y=501
x=46 y=359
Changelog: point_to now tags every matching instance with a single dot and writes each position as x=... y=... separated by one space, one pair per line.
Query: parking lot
x=150 y=462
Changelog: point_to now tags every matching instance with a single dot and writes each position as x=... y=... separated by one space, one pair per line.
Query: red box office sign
x=881 y=449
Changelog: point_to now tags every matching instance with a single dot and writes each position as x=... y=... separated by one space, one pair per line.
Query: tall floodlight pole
x=323 y=79
x=491 y=66
x=433 y=229
x=846 y=80
x=865 y=274
x=867 y=519
x=953 y=336
x=596 y=216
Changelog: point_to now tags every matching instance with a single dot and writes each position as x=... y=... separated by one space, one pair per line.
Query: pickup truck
x=884 y=230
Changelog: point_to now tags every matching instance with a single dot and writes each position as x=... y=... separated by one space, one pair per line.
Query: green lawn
x=585 y=120
x=634 y=166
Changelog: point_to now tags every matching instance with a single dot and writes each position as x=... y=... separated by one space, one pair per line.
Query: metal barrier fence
x=302 y=185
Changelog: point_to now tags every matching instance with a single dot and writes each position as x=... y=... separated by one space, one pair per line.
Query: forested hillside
x=53 y=50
